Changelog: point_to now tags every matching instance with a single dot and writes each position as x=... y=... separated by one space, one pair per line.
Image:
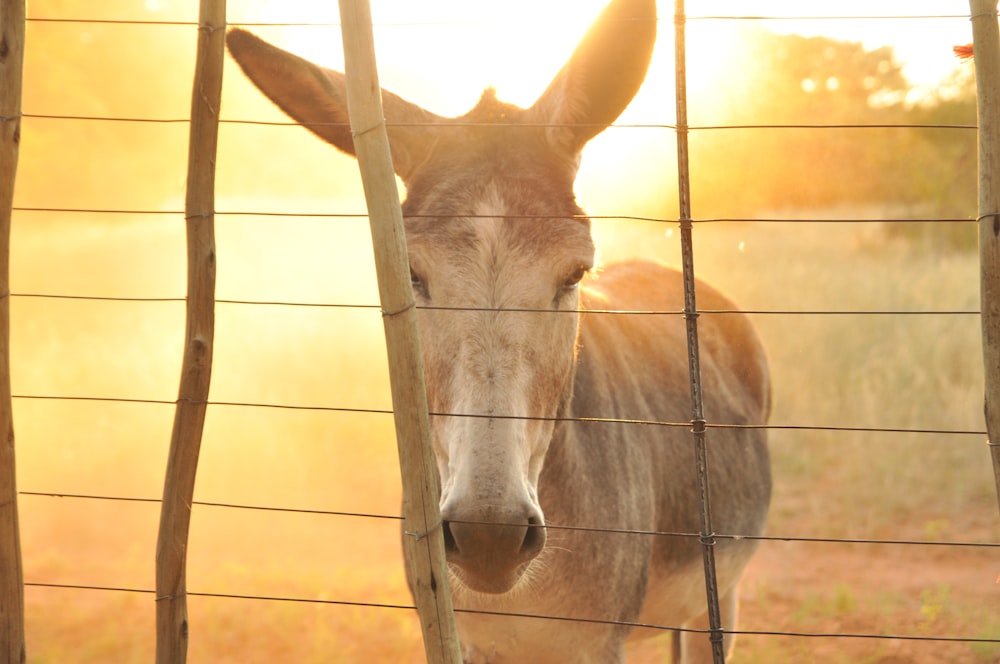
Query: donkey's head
x=497 y=248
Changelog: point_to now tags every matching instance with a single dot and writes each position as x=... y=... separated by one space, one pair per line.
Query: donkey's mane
x=489 y=109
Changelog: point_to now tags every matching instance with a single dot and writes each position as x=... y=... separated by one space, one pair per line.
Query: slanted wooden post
x=189 y=417
x=12 y=645
x=423 y=541
x=986 y=41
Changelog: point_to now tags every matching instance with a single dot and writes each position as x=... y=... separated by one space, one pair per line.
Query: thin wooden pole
x=196 y=371
x=986 y=42
x=12 y=641
x=423 y=541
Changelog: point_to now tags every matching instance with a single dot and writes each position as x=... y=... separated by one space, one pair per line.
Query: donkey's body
x=625 y=476
x=498 y=248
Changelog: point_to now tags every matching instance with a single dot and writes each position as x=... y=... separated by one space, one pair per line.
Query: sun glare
x=444 y=53
x=921 y=32
x=102 y=354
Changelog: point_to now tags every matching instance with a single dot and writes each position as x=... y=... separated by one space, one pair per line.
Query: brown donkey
x=521 y=354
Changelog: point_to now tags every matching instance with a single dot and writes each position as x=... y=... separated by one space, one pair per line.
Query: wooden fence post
x=423 y=541
x=986 y=40
x=12 y=643
x=196 y=372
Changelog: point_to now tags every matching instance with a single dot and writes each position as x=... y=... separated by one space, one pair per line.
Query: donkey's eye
x=574 y=278
x=417 y=283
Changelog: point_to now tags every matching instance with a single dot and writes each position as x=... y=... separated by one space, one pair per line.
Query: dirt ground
x=917 y=591
x=951 y=592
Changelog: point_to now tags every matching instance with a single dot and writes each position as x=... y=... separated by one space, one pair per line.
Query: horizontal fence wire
x=516 y=310
x=496 y=416
x=306 y=600
x=560 y=618
x=392 y=517
x=548 y=526
x=592 y=217
x=622 y=623
x=501 y=20
x=740 y=127
x=519 y=125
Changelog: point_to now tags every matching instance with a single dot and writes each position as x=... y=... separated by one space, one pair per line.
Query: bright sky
x=922 y=37
x=443 y=53
x=449 y=50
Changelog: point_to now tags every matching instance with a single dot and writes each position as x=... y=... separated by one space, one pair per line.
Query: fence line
x=600 y=217
x=614 y=531
x=598 y=312
x=728 y=127
x=497 y=20
x=534 y=125
x=623 y=623
x=587 y=420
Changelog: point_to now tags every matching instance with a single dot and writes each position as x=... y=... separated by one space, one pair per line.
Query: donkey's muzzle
x=490 y=556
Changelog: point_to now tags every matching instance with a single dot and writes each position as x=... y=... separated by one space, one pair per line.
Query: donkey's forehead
x=494 y=145
x=498 y=216
x=510 y=185
x=492 y=178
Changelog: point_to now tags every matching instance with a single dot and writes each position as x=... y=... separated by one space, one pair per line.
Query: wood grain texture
x=172 y=629
x=986 y=40
x=12 y=639
x=423 y=542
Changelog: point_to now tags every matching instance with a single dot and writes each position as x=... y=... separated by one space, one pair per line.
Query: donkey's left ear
x=316 y=97
x=600 y=79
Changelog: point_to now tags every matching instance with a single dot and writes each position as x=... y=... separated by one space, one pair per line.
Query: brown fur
x=524 y=384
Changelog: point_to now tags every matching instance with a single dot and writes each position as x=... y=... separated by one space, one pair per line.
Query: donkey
x=537 y=386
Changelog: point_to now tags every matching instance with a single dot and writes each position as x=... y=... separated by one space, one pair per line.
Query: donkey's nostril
x=467 y=539
x=450 y=546
x=534 y=538
x=490 y=556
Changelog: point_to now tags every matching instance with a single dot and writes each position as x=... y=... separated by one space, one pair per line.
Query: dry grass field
x=838 y=370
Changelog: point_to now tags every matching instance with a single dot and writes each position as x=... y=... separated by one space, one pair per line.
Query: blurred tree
x=795 y=80
x=98 y=69
x=944 y=174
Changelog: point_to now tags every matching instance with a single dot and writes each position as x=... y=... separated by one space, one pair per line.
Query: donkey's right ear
x=316 y=97
x=601 y=77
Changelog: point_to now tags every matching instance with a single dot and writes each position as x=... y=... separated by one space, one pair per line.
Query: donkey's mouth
x=490 y=583
x=491 y=557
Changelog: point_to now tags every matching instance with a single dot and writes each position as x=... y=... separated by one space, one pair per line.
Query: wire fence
x=619 y=531
x=358 y=215
x=54 y=492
